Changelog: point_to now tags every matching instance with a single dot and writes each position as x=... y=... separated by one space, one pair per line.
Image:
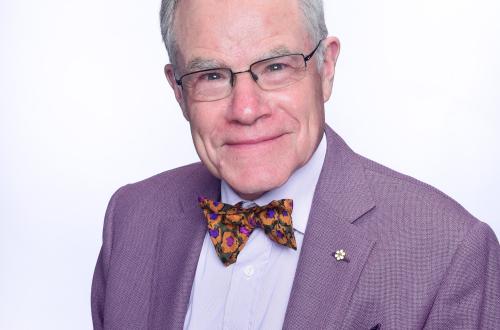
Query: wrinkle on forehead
x=234 y=20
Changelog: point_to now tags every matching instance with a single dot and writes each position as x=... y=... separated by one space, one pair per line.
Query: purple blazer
x=417 y=259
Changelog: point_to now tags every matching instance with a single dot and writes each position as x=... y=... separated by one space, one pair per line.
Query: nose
x=247 y=104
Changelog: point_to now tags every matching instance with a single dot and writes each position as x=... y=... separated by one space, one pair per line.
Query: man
x=199 y=247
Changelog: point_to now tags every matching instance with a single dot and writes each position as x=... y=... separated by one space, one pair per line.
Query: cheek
x=300 y=108
x=205 y=120
x=202 y=118
x=285 y=108
x=303 y=109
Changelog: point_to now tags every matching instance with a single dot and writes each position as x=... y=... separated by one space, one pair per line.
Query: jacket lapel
x=323 y=286
x=180 y=238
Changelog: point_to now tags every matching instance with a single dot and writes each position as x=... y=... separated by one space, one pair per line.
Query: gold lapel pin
x=341 y=255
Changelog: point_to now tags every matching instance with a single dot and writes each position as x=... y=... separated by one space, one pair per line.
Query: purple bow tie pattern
x=230 y=226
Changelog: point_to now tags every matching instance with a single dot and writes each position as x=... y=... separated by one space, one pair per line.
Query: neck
x=250 y=197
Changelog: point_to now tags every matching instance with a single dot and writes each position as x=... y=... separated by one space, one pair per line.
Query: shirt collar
x=300 y=187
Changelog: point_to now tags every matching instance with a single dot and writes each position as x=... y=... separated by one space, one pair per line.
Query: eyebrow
x=277 y=51
x=200 y=63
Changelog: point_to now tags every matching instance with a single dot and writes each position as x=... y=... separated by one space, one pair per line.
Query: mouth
x=242 y=143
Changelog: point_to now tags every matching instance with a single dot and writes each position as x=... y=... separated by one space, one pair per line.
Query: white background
x=85 y=109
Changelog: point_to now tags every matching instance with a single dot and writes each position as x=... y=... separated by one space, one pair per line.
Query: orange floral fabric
x=230 y=226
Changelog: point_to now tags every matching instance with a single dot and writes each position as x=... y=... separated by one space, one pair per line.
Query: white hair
x=312 y=11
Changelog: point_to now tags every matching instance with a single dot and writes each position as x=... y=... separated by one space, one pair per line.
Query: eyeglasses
x=271 y=73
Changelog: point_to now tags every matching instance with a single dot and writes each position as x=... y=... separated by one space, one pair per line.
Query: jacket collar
x=342 y=185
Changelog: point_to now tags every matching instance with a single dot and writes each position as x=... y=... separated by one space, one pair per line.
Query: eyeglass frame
x=252 y=74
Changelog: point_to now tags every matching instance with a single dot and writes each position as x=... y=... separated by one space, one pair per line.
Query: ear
x=169 y=73
x=331 y=52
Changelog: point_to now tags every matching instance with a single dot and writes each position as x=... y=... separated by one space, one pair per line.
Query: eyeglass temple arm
x=308 y=57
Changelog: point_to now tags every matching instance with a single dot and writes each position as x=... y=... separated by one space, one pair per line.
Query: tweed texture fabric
x=417 y=259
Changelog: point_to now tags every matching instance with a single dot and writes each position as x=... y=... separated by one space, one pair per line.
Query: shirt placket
x=246 y=282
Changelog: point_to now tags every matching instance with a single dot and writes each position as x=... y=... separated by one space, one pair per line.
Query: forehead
x=237 y=31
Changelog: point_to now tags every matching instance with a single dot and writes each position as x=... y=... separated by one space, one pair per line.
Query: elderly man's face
x=254 y=139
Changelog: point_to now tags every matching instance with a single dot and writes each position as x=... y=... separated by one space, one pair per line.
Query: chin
x=253 y=182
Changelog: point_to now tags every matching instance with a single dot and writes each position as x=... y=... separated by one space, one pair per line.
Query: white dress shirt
x=253 y=292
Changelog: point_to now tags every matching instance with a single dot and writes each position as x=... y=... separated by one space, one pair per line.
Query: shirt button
x=249 y=271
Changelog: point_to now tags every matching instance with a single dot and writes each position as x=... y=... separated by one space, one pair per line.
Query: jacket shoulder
x=166 y=187
x=432 y=261
x=416 y=204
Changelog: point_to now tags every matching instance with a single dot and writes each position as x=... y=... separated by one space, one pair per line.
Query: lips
x=252 y=141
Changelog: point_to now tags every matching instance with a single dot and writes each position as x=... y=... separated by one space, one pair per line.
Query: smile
x=253 y=142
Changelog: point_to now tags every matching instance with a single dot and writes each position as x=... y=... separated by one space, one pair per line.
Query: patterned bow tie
x=230 y=226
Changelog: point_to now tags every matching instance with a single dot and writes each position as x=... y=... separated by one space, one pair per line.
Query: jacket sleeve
x=98 y=291
x=469 y=295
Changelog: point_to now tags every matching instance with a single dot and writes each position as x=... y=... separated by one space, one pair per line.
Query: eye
x=276 y=67
x=211 y=76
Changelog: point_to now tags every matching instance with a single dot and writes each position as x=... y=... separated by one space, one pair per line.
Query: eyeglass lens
x=273 y=73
